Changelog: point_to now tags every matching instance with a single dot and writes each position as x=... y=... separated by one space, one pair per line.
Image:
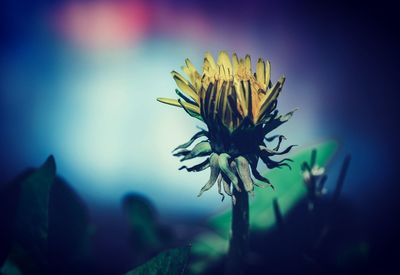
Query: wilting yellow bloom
x=239 y=109
x=228 y=92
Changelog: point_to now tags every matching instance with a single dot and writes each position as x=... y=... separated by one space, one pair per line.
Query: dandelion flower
x=238 y=107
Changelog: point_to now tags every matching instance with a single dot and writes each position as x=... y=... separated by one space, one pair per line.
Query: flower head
x=239 y=109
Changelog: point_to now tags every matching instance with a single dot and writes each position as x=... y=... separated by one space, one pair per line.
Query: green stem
x=238 y=244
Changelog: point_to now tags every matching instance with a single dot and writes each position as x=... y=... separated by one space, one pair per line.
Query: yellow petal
x=193 y=75
x=274 y=91
x=221 y=72
x=185 y=86
x=186 y=70
x=247 y=63
x=188 y=73
x=223 y=60
x=240 y=95
x=271 y=95
x=267 y=73
x=281 y=81
x=169 y=101
x=235 y=63
x=210 y=60
x=260 y=72
x=176 y=103
x=190 y=65
x=246 y=88
x=208 y=69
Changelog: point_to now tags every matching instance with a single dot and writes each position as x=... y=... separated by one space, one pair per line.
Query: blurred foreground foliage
x=45 y=228
x=45 y=225
x=170 y=262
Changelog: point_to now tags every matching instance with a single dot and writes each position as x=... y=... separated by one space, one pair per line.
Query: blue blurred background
x=79 y=80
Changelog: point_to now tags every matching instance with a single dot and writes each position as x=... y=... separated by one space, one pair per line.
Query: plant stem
x=238 y=244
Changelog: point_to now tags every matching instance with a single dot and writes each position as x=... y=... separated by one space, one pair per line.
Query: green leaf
x=206 y=248
x=29 y=249
x=171 y=262
x=289 y=190
x=143 y=225
x=32 y=213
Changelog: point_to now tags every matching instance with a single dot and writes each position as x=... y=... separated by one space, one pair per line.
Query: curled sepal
x=272 y=152
x=275 y=164
x=286 y=117
x=281 y=138
x=226 y=185
x=202 y=133
x=214 y=167
x=180 y=153
x=219 y=181
x=197 y=168
x=259 y=177
x=201 y=149
x=242 y=167
x=271 y=139
x=225 y=167
x=275 y=121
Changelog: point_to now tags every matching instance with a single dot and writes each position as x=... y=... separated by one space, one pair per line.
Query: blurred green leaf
x=289 y=190
x=170 y=262
x=70 y=249
x=29 y=250
x=32 y=214
x=142 y=219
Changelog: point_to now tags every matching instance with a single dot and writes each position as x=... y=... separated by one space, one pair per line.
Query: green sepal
x=242 y=167
x=201 y=149
x=193 y=138
x=213 y=174
x=225 y=167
